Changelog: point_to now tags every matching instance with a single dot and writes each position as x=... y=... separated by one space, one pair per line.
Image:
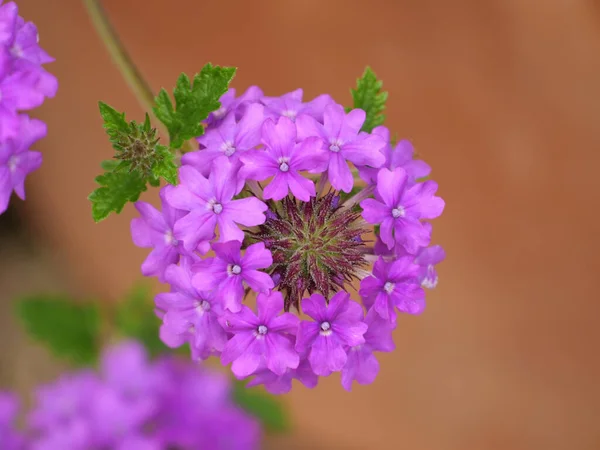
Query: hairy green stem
x=120 y=57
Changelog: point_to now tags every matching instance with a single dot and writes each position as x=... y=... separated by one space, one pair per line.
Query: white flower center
x=235 y=269
x=334 y=148
x=325 y=328
x=17 y=51
x=389 y=287
x=170 y=240
x=262 y=330
x=202 y=307
x=215 y=206
x=398 y=211
x=290 y=114
x=12 y=162
x=228 y=148
x=283 y=164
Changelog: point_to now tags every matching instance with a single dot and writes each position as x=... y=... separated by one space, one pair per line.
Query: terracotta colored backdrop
x=501 y=97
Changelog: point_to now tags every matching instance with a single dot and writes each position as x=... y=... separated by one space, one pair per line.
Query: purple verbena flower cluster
x=275 y=205
x=24 y=85
x=132 y=404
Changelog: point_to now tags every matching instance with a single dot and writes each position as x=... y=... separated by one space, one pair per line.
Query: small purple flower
x=226 y=272
x=393 y=284
x=282 y=384
x=362 y=366
x=230 y=139
x=191 y=311
x=399 y=209
x=283 y=159
x=402 y=155
x=154 y=229
x=24 y=47
x=17 y=161
x=342 y=139
x=290 y=105
x=336 y=326
x=263 y=337
x=210 y=203
x=24 y=90
x=426 y=260
x=237 y=105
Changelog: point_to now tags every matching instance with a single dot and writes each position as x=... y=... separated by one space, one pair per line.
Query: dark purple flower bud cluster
x=285 y=194
x=132 y=404
x=24 y=85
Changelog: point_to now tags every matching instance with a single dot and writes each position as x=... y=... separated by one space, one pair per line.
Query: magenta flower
x=226 y=273
x=337 y=325
x=154 y=230
x=231 y=139
x=402 y=155
x=22 y=91
x=265 y=336
x=210 y=203
x=393 y=284
x=237 y=105
x=427 y=260
x=341 y=138
x=283 y=159
x=282 y=384
x=252 y=182
x=290 y=105
x=362 y=366
x=189 y=310
x=17 y=161
x=399 y=209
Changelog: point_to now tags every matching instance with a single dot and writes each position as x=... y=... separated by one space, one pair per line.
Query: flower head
x=275 y=190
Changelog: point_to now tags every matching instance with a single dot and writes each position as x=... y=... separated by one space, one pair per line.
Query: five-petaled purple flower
x=230 y=139
x=399 y=209
x=283 y=159
x=266 y=337
x=210 y=203
x=190 y=311
x=341 y=138
x=237 y=105
x=336 y=325
x=154 y=229
x=393 y=284
x=226 y=273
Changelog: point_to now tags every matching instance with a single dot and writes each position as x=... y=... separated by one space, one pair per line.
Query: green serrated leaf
x=135 y=318
x=67 y=328
x=117 y=188
x=165 y=166
x=193 y=102
x=264 y=406
x=369 y=97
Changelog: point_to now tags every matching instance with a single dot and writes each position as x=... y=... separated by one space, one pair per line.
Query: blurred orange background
x=500 y=97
